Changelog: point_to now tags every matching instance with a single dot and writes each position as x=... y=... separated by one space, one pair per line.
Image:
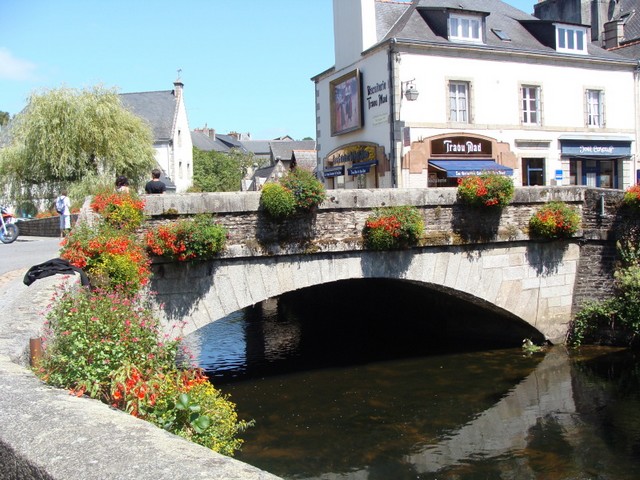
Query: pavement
x=45 y=433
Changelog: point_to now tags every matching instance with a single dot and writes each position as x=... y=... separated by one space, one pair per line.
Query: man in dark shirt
x=155 y=185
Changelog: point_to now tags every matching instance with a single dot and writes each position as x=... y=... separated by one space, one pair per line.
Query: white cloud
x=12 y=68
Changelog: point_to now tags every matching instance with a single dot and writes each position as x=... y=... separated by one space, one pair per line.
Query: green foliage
x=308 y=191
x=66 y=136
x=591 y=317
x=392 y=228
x=196 y=238
x=632 y=197
x=112 y=258
x=554 y=220
x=298 y=191
x=92 y=333
x=4 y=119
x=486 y=190
x=219 y=172
x=278 y=201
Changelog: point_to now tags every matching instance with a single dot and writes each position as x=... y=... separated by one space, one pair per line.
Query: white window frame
x=459 y=101
x=465 y=28
x=530 y=105
x=571 y=39
x=594 y=103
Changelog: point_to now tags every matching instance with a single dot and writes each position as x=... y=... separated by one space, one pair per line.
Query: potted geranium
x=486 y=190
x=392 y=228
x=554 y=220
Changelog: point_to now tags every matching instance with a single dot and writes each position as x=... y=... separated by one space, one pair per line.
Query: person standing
x=63 y=207
x=155 y=185
x=122 y=184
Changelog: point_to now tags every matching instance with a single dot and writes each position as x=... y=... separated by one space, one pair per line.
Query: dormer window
x=571 y=39
x=465 y=28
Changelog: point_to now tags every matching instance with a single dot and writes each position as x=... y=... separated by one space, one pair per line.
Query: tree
x=70 y=138
x=4 y=119
x=219 y=172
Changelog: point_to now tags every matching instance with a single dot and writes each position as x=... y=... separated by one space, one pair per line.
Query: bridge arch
x=532 y=283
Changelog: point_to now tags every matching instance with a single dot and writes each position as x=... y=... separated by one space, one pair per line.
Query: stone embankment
x=47 y=434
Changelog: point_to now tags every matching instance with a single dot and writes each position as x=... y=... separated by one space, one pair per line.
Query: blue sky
x=246 y=65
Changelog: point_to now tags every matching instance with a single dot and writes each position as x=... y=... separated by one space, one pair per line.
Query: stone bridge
x=485 y=258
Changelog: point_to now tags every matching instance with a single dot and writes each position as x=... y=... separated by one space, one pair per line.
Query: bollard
x=35 y=351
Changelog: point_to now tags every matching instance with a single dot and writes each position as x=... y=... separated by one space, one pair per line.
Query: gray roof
x=158 y=109
x=282 y=149
x=204 y=142
x=258 y=147
x=420 y=22
x=306 y=159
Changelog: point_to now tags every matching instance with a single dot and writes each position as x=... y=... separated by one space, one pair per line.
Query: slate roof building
x=425 y=92
x=166 y=114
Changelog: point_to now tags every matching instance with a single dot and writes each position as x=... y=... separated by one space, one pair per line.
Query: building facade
x=423 y=93
x=166 y=114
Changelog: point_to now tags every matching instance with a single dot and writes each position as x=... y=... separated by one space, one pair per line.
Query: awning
x=464 y=168
x=333 y=171
x=361 y=167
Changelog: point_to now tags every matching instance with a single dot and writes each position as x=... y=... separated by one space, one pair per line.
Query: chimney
x=177 y=88
x=354 y=29
x=613 y=33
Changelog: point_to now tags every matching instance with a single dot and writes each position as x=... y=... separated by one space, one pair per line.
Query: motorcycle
x=8 y=229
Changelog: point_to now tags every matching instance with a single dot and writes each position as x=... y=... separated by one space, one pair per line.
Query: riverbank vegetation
x=105 y=341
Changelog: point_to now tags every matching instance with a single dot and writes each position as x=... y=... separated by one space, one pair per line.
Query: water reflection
x=407 y=410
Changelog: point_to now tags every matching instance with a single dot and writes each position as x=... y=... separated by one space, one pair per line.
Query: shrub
x=308 y=191
x=277 y=200
x=554 y=220
x=392 y=228
x=632 y=197
x=113 y=259
x=120 y=210
x=486 y=190
x=182 y=402
x=298 y=191
x=188 y=239
x=92 y=333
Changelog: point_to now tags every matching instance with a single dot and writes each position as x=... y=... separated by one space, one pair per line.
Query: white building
x=497 y=89
x=166 y=114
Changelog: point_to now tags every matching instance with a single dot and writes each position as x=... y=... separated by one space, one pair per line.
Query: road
x=27 y=251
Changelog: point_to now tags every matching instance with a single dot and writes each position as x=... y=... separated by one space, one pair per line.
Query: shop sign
x=361 y=168
x=333 y=171
x=352 y=154
x=377 y=95
x=595 y=148
x=558 y=175
x=460 y=146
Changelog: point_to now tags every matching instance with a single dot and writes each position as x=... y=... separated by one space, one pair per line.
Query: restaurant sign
x=596 y=148
x=352 y=154
x=461 y=146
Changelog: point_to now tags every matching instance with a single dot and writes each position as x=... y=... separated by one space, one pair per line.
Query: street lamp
x=409 y=90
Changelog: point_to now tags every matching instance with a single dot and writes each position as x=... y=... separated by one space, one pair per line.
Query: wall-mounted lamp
x=409 y=90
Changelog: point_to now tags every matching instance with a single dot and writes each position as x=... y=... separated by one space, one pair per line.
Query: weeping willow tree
x=73 y=139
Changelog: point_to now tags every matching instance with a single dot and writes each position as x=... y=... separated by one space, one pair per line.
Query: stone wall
x=42 y=227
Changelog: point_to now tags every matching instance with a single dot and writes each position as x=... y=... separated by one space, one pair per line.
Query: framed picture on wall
x=346 y=103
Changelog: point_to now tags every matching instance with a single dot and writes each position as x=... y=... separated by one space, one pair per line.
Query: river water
x=343 y=385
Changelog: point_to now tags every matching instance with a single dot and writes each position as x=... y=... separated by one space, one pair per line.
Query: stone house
x=423 y=93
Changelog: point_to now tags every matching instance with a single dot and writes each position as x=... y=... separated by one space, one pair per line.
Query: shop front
x=354 y=166
x=458 y=156
x=596 y=162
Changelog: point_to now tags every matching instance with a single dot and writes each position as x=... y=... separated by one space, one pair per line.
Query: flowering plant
x=183 y=402
x=89 y=334
x=632 y=197
x=392 y=228
x=486 y=190
x=118 y=209
x=112 y=258
x=554 y=220
x=196 y=238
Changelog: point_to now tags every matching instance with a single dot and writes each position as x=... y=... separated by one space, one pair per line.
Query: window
x=532 y=171
x=459 y=102
x=595 y=108
x=530 y=105
x=465 y=28
x=571 y=39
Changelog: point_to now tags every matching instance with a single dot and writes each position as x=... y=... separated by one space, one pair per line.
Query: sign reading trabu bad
x=461 y=146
